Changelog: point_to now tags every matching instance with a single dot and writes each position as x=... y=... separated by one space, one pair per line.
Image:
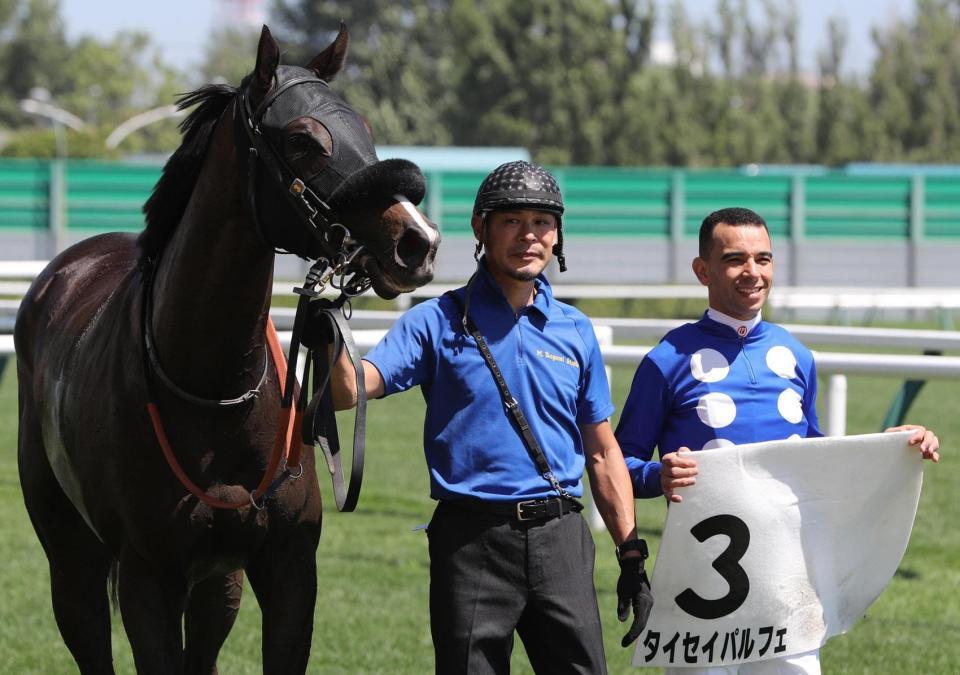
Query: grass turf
x=372 y=614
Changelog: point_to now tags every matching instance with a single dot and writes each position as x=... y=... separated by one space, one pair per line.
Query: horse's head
x=313 y=167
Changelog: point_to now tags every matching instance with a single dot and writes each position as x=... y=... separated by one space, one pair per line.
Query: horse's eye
x=304 y=143
x=301 y=141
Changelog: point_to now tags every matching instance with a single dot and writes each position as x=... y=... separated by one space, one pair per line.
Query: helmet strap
x=558 y=249
x=483 y=231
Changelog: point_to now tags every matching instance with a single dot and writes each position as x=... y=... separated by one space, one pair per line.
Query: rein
x=154 y=359
x=287 y=430
x=328 y=321
x=299 y=422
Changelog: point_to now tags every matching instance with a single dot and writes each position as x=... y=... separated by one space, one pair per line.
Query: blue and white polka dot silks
x=704 y=386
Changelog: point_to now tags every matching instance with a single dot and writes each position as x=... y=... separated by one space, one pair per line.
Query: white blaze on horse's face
x=431 y=233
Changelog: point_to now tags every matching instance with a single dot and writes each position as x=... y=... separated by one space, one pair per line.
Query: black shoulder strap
x=526 y=433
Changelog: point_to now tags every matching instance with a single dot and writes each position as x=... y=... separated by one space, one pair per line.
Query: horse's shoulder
x=78 y=281
x=98 y=259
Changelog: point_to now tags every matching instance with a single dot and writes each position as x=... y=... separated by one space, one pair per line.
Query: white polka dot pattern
x=717 y=443
x=709 y=365
x=717 y=390
x=782 y=361
x=788 y=403
x=716 y=410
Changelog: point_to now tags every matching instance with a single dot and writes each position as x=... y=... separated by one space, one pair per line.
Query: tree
x=915 y=86
x=836 y=137
x=548 y=75
x=794 y=99
x=398 y=68
x=102 y=82
x=34 y=55
x=230 y=55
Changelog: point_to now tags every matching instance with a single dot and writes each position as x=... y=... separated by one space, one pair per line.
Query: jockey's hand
x=633 y=591
x=923 y=439
x=677 y=470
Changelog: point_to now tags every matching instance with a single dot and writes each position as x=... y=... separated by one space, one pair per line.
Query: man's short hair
x=735 y=215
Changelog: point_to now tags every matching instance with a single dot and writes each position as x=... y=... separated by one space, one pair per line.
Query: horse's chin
x=385 y=284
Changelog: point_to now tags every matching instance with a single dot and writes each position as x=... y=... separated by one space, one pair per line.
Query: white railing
x=16 y=275
x=834 y=364
x=788 y=298
x=369 y=326
x=647 y=329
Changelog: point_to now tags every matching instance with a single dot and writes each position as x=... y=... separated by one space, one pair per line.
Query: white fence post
x=837 y=405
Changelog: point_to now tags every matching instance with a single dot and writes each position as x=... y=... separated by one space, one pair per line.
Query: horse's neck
x=212 y=289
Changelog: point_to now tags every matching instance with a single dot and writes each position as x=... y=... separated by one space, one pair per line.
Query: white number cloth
x=779 y=546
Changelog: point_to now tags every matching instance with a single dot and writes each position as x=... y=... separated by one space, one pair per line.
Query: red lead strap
x=281 y=444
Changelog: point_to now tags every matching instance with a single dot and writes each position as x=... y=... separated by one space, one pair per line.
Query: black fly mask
x=295 y=213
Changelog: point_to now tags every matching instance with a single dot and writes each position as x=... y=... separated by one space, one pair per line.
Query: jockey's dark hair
x=734 y=215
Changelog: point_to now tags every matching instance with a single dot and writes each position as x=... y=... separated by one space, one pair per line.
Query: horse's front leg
x=285 y=582
x=79 y=562
x=211 y=610
x=152 y=604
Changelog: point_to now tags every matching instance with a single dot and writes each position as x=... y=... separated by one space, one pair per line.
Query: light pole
x=137 y=121
x=39 y=104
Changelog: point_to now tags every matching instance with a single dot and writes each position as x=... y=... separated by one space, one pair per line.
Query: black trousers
x=491 y=575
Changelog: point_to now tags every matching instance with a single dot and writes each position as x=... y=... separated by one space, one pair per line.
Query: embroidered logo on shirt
x=741 y=330
x=556 y=357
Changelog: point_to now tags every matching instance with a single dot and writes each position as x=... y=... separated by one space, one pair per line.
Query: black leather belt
x=528 y=511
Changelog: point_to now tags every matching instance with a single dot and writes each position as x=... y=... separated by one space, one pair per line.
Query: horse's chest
x=201 y=541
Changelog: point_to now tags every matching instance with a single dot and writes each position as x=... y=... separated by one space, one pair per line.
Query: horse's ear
x=328 y=63
x=268 y=58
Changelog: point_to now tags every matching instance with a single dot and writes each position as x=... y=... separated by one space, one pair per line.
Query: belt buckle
x=520 y=505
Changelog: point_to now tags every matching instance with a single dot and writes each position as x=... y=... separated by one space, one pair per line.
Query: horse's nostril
x=411 y=248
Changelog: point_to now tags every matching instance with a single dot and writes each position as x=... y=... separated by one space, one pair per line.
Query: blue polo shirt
x=551 y=362
x=706 y=386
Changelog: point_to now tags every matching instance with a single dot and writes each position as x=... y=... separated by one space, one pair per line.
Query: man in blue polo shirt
x=730 y=378
x=509 y=550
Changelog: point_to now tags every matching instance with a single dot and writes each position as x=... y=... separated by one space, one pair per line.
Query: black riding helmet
x=522 y=185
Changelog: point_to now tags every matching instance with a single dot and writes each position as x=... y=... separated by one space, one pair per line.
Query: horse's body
x=95 y=481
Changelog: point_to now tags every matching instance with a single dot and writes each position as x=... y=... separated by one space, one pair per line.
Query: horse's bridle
x=312 y=423
x=315 y=214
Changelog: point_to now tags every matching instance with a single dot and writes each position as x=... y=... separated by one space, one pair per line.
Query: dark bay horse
x=272 y=164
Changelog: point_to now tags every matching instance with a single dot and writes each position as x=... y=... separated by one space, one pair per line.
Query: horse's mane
x=165 y=207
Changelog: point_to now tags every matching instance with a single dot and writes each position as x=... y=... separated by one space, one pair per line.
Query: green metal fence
x=97 y=196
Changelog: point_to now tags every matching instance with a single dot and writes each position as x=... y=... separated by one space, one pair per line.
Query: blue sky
x=180 y=27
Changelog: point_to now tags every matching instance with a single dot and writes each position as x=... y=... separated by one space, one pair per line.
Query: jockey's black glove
x=633 y=591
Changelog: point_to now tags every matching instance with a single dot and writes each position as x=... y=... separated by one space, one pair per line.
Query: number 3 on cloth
x=727 y=565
